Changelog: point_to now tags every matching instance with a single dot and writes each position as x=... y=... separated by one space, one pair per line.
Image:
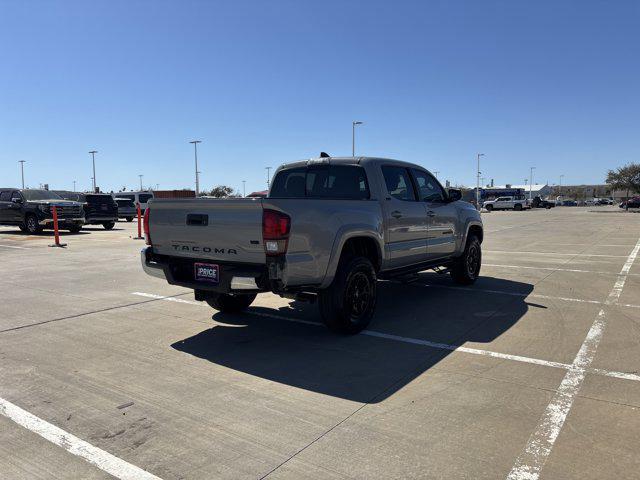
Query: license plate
x=207 y=272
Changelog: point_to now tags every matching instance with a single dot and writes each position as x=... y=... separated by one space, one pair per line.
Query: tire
x=347 y=306
x=227 y=303
x=108 y=225
x=489 y=208
x=75 y=228
x=517 y=207
x=129 y=219
x=466 y=268
x=31 y=225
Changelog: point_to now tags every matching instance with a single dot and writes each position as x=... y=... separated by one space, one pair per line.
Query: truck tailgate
x=208 y=228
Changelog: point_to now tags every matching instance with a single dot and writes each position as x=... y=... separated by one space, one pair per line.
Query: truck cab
x=328 y=229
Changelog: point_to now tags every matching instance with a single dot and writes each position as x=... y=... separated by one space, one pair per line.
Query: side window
x=398 y=183
x=144 y=197
x=5 y=196
x=429 y=189
x=289 y=183
x=16 y=195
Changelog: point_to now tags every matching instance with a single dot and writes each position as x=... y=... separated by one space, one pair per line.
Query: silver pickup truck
x=329 y=228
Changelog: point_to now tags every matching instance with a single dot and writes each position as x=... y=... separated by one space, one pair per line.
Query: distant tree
x=223 y=191
x=625 y=178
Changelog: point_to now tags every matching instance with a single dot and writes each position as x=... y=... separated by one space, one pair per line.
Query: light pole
x=478 y=182
x=195 y=153
x=74 y=185
x=157 y=186
x=244 y=192
x=268 y=176
x=353 y=137
x=531 y=181
x=141 y=182
x=93 y=157
x=22 y=171
x=436 y=172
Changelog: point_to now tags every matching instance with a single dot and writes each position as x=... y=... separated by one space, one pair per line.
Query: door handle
x=396 y=214
x=431 y=213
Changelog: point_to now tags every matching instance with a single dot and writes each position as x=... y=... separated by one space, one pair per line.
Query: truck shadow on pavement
x=364 y=367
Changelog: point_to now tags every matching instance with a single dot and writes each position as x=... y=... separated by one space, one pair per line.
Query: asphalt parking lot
x=533 y=371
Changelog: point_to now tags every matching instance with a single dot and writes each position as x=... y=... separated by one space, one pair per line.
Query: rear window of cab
x=321 y=181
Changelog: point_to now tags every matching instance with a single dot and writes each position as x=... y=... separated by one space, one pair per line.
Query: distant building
x=537 y=189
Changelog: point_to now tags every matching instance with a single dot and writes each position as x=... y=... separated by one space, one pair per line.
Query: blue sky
x=545 y=83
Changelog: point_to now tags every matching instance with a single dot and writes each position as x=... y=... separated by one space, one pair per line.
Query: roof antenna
x=324 y=155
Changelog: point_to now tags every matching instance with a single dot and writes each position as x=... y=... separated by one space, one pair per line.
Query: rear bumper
x=234 y=277
x=101 y=219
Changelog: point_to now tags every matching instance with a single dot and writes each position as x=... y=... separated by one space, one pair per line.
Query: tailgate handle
x=199 y=219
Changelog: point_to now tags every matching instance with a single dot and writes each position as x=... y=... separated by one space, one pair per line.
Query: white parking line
x=13 y=246
x=111 y=464
x=555 y=253
x=530 y=462
x=416 y=341
x=577 y=270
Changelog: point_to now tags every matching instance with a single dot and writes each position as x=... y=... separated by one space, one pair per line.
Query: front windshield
x=40 y=195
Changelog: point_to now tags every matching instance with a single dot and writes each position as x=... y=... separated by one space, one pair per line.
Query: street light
x=268 y=176
x=21 y=162
x=436 y=172
x=244 y=192
x=353 y=137
x=478 y=182
x=93 y=157
x=141 y=182
x=195 y=153
x=531 y=181
x=74 y=185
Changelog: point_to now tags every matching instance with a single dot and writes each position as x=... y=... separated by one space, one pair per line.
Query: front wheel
x=488 y=208
x=517 y=207
x=347 y=306
x=228 y=303
x=108 y=225
x=466 y=268
x=31 y=225
x=129 y=219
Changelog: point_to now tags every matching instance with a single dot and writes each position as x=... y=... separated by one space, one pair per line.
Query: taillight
x=275 y=231
x=145 y=226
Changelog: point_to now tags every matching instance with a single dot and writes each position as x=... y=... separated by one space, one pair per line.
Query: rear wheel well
x=475 y=230
x=362 y=247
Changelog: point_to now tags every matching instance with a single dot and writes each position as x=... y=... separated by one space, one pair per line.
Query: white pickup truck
x=507 y=203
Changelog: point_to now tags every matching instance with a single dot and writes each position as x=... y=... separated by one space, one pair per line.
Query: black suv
x=99 y=208
x=31 y=210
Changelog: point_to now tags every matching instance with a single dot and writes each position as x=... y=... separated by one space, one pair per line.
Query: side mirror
x=454 y=194
x=16 y=200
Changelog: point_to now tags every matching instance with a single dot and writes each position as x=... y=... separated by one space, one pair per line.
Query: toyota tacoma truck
x=327 y=231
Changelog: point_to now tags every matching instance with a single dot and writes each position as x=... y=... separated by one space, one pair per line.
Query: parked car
x=141 y=198
x=99 y=208
x=31 y=210
x=538 y=202
x=569 y=203
x=126 y=208
x=506 y=203
x=605 y=201
x=631 y=203
x=327 y=231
